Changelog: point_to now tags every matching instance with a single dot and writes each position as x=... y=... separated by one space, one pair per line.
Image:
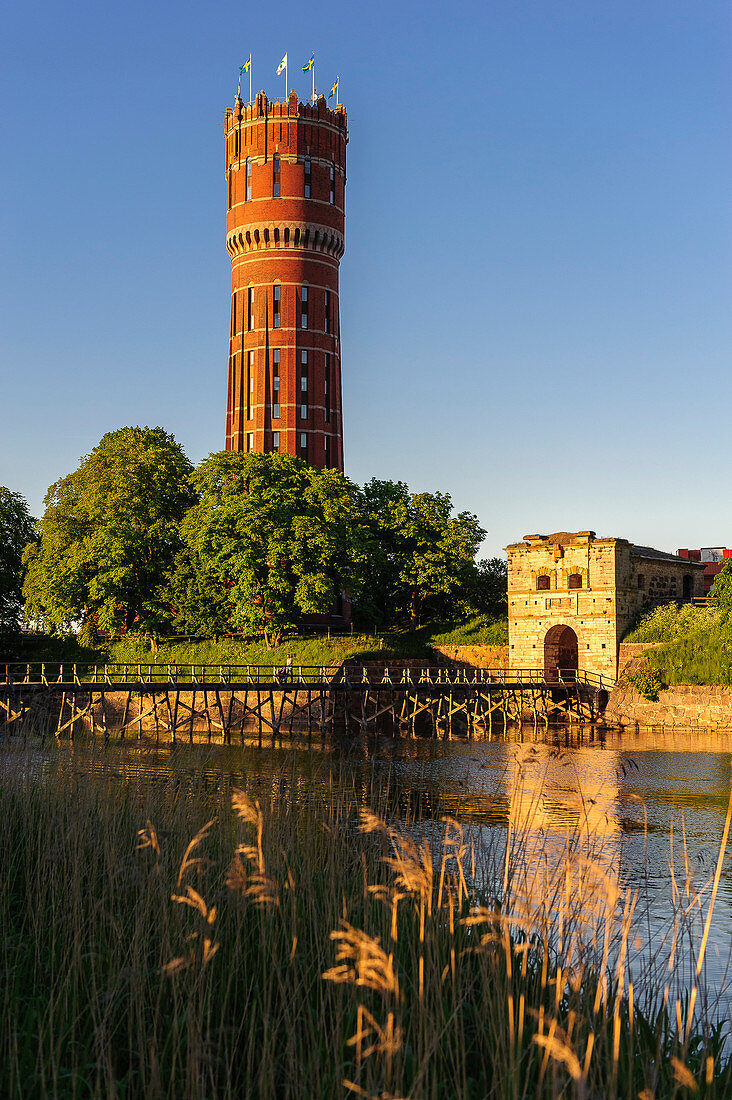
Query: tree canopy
x=416 y=550
x=109 y=535
x=17 y=530
x=275 y=533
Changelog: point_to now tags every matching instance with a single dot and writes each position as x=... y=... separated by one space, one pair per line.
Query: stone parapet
x=707 y=705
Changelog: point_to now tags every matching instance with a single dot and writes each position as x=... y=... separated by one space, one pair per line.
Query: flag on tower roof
x=245 y=66
x=334 y=89
x=311 y=62
x=282 y=65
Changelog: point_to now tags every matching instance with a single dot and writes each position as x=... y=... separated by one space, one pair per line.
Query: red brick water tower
x=285 y=178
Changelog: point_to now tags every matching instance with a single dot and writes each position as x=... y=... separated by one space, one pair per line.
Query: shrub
x=647 y=683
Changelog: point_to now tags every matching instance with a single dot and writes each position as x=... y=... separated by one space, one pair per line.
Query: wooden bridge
x=217 y=702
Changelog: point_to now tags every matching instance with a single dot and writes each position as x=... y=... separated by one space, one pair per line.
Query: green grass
x=315 y=651
x=696 y=644
x=276 y=953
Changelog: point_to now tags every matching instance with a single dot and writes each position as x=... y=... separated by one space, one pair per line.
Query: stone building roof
x=660 y=555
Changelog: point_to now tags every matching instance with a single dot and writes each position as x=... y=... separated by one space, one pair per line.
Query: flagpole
x=286 y=78
x=313 y=77
x=250 y=80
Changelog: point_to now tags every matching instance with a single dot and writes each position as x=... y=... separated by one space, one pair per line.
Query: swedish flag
x=308 y=67
x=334 y=89
x=245 y=66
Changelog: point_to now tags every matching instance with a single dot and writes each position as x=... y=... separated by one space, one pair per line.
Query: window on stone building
x=308 y=177
x=303 y=412
x=327 y=311
x=688 y=588
x=326 y=448
x=574 y=580
x=248 y=177
x=303 y=444
x=332 y=183
x=542 y=583
x=275 y=441
x=250 y=441
x=276 y=175
x=276 y=302
x=641 y=581
x=304 y=308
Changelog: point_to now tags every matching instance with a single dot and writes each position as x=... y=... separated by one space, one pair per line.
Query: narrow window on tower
x=233 y=315
x=250 y=383
x=303 y=444
x=326 y=446
x=304 y=308
x=275 y=441
x=308 y=177
x=230 y=175
x=326 y=414
x=250 y=308
x=249 y=178
x=332 y=183
x=276 y=382
x=250 y=441
x=327 y=311
x=276 y=175
x=304 y=385
x=276 y=300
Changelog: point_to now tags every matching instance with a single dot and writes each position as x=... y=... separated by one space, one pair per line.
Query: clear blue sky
x=537 y=283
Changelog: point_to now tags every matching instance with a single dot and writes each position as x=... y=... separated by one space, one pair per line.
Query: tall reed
x=178 y=935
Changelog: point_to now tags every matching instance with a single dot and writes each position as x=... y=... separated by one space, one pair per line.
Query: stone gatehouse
x=572 y=596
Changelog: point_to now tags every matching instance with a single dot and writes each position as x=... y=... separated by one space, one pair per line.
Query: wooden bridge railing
x=52 y=674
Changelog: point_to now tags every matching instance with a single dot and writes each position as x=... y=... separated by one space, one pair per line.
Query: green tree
x=488 y=591
x=721 y=591
x=277 y=534
x=415 y=550
x=109 y=536
x=17 y=530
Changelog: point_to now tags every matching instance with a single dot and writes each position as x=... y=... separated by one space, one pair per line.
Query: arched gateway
x=572 y=585
x=560 y=653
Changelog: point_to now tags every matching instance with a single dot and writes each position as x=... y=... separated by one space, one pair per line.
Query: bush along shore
x=190 y=937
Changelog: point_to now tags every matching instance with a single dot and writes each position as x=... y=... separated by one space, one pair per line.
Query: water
x=655 y=805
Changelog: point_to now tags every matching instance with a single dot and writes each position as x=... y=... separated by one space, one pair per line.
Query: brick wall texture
x=285 y=183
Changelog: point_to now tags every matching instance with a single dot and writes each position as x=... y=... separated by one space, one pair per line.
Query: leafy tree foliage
x=722 y=590
x=17 y=530
x=489 y=587
x=275 y=533
x=109 y=536
x=415 y=550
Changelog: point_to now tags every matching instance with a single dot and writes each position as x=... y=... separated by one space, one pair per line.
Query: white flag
x=282 y=65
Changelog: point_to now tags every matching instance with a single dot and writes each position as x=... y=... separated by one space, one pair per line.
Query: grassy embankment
x=183 y=939
x=695 y=644
x=317 y=650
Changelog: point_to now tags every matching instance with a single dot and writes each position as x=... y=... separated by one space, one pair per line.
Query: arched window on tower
x=276 y=302
x=332 y=183
x=276 y=175
x=304 y=308
x=249 y=177
x=308 y=177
